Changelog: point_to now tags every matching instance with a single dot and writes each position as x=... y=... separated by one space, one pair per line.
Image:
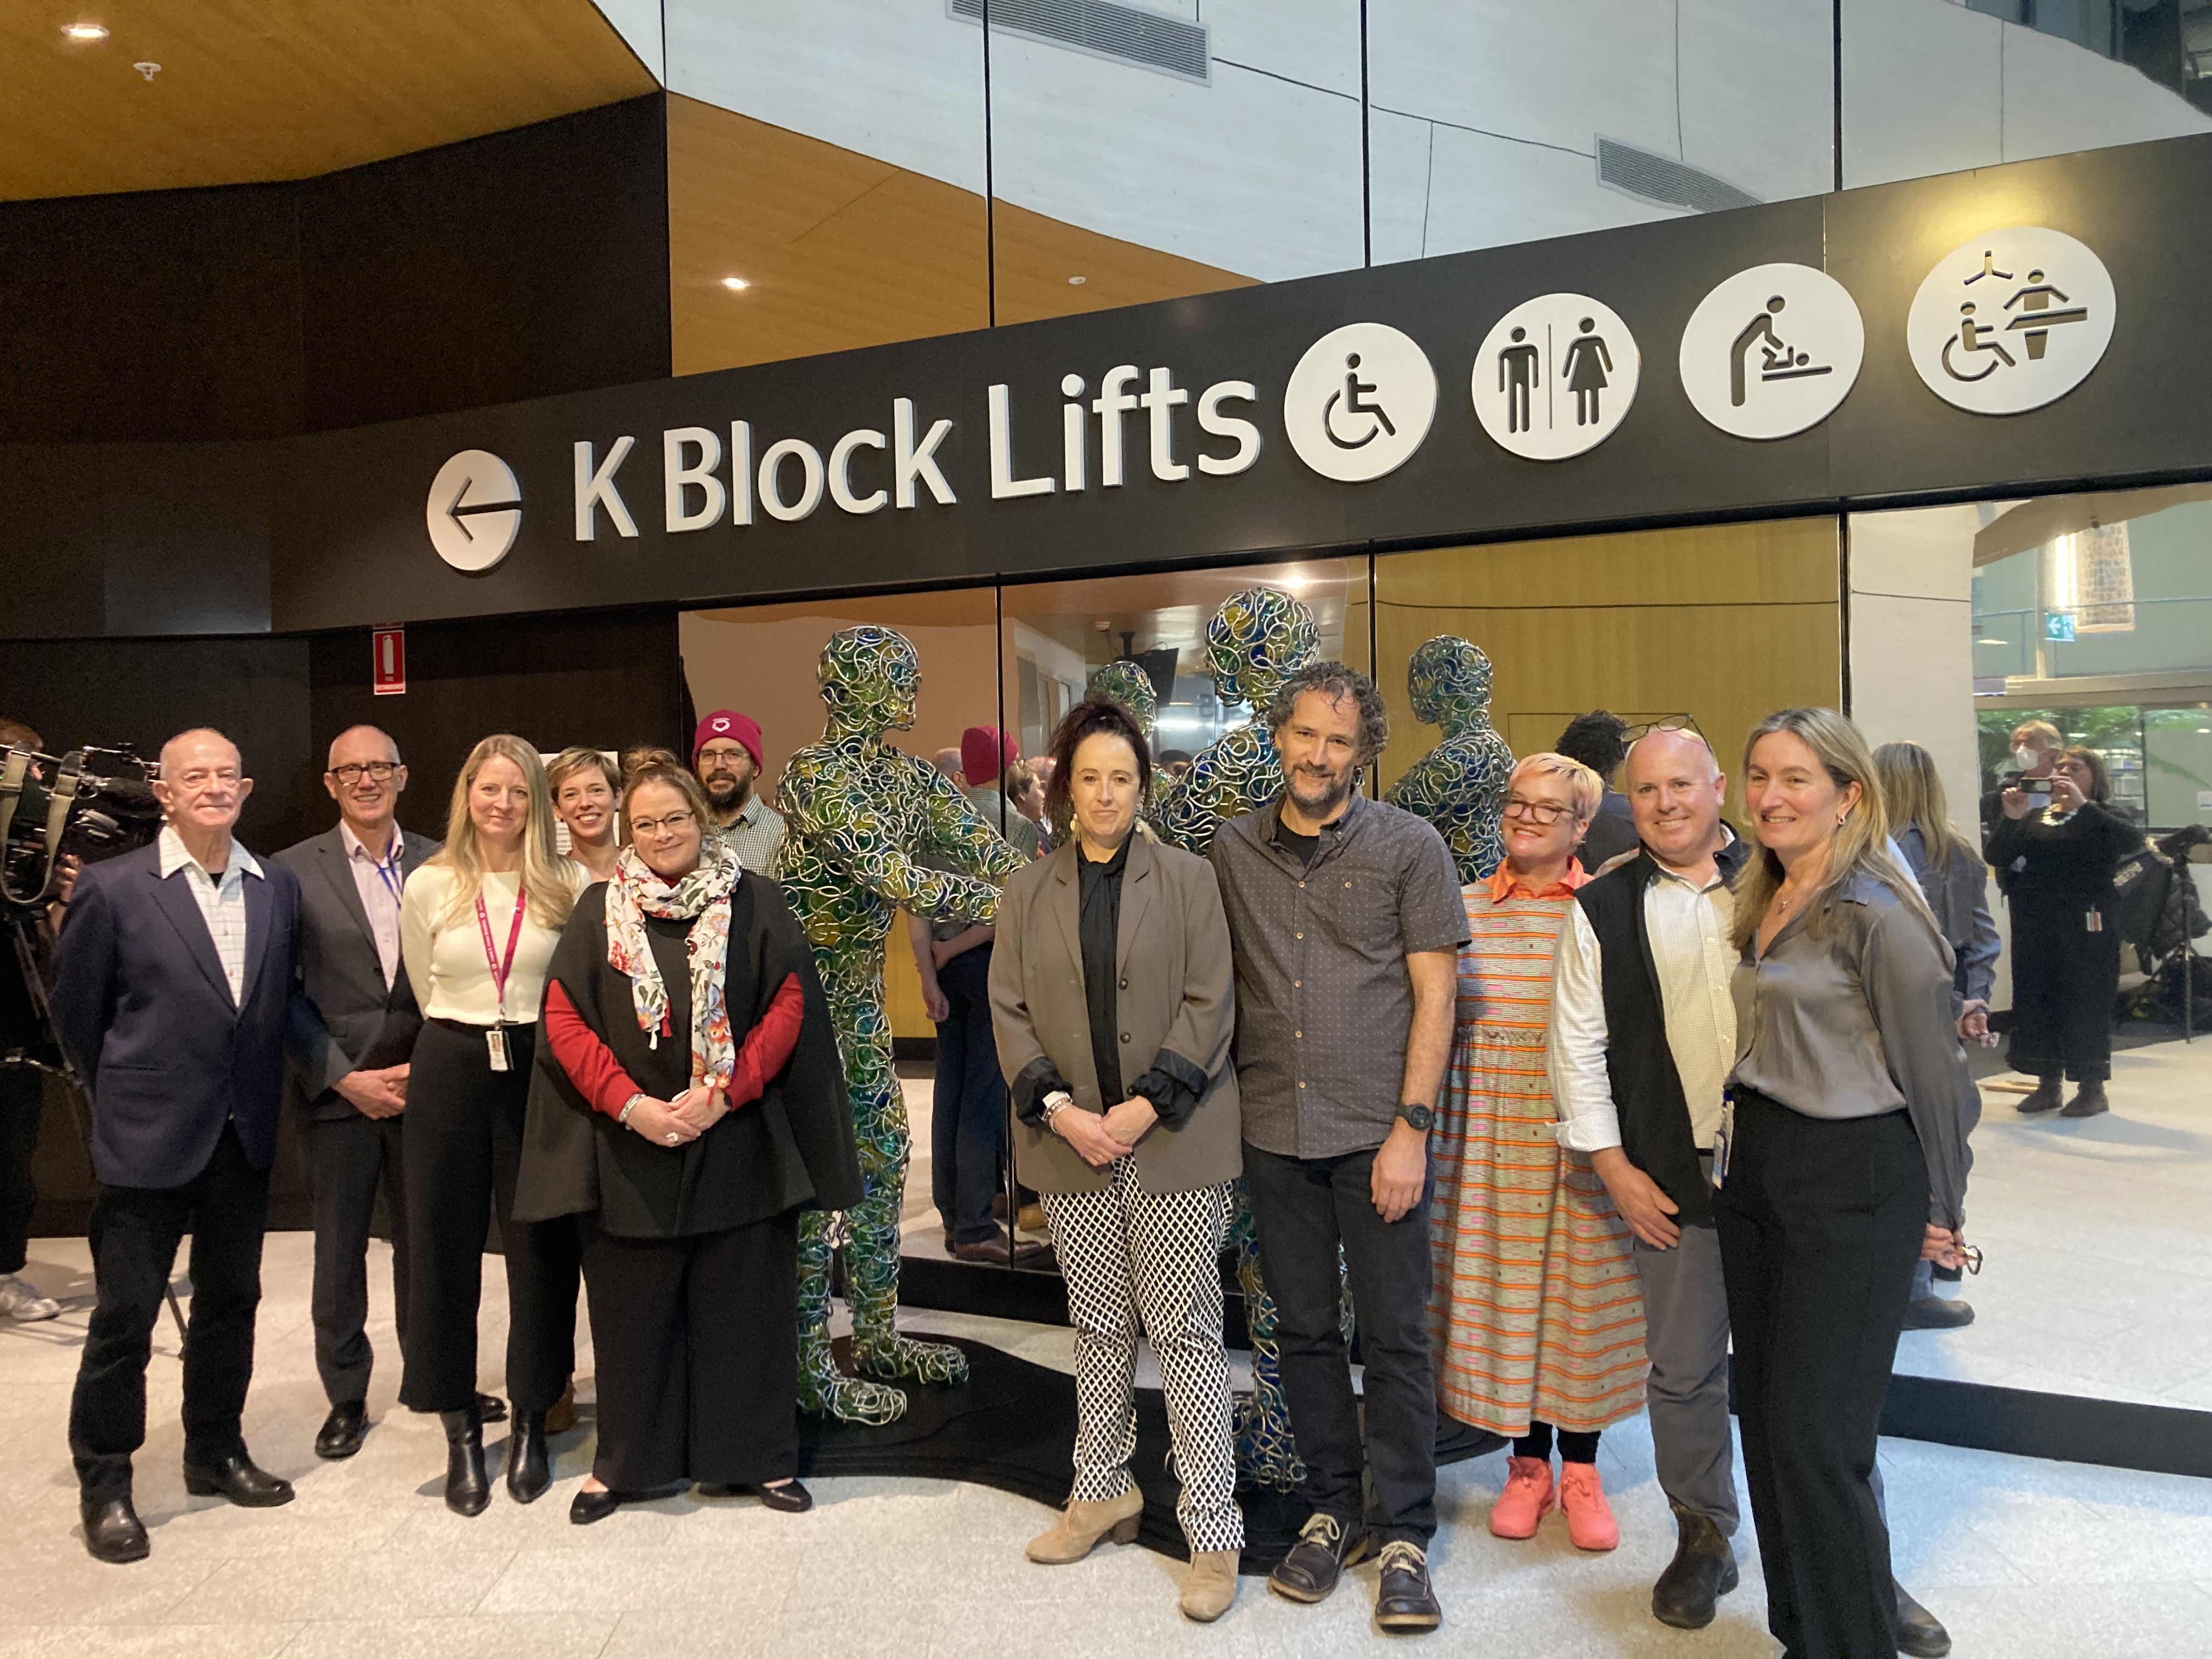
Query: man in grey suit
x=353 y=1031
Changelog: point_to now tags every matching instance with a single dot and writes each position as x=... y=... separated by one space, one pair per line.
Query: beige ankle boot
x=1082 y=1524
x=1209 y=1589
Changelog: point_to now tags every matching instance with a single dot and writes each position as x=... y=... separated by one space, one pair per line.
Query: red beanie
x=978 y=745
x=728 y=723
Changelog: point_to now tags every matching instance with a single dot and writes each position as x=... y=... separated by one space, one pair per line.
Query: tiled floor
x=2026 y=1559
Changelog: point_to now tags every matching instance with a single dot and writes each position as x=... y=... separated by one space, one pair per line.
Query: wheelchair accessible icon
x=2012 y=321
x=1360 y=403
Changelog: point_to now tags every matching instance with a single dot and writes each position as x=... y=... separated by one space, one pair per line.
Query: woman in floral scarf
x=688 y=1105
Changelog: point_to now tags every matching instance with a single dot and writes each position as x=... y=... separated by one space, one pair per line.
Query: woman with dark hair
x=689 y=1104
x=2056 y=849
x=1126 y=943
x=1841 y=1162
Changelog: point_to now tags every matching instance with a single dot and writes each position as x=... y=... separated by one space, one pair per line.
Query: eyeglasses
x=1664 y=723
x=1541 y=812
x=673 y=823
x=376 y=771
x=1973 y=1255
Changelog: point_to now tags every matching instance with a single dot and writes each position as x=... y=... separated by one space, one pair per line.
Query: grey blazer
x=348 y=1021
x=1178 y=990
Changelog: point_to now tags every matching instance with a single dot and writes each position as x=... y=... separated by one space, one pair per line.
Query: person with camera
x=2056 y=849
x=172 y=982
x=354 y=1029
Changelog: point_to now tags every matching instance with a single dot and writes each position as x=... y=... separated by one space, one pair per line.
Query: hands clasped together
x=684 y=1119
x=1103 y=1136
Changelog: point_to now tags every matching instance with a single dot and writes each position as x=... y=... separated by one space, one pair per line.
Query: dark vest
x=1647 y=1090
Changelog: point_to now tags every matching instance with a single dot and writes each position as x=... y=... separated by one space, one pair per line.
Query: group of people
x=1568 y=1130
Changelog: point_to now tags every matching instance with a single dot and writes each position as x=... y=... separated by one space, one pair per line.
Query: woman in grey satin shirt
x=1845 y=1165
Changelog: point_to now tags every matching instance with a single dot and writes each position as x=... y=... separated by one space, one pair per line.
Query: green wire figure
x=1459 y=785
x=857 y=813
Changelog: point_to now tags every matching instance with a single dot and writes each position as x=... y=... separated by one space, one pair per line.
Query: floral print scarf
x=636 y=893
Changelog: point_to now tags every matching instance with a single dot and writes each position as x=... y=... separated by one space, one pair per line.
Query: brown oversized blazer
x=1176 y=991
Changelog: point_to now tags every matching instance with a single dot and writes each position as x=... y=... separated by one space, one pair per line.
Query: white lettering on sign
x=1004 y=483
x=741 y=472
x=1074 y=439
x=595 y=487
x=841 y=473
x=1160 y=398
x=1114 y=402
x=909 y=463
x=675 y=478
x=1215 y=424
x=810 y=473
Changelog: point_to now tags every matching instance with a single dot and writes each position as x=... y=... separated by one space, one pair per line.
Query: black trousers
x=348 y=1159
x=22 y=1099
x=134 y=1236
x=698 y=1347
x=1821 y=1222
x=1302 y=1209
x=463 y=1145
x=2064 y=979
x=968 y=1107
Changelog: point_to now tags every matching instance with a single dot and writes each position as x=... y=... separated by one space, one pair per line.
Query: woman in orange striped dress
x=1534 y=1308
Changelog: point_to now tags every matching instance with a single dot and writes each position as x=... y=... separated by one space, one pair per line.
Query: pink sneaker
x=1590 y=1525
x=1527 y=1499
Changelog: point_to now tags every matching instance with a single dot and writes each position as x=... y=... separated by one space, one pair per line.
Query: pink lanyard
x=499 y=970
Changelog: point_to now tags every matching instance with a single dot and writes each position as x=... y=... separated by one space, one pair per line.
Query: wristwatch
x=1417 y=1114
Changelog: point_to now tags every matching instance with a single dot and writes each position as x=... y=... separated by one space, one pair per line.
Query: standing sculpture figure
x=857 y=812
x=1256 y=640
x=1459 y=785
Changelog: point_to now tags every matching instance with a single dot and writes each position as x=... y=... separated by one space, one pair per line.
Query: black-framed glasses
x=1664 y=723
x=353 y=772
x=1540 y=811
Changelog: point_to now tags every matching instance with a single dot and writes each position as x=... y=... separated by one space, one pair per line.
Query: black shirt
x=1101 y=928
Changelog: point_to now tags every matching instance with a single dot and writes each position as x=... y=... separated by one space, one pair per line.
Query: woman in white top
x=585 y=785
x=477 y=925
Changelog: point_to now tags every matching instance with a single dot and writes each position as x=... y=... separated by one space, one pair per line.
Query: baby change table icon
x=1772 y=350
x=2011 y=321
x=1555 y=376
x=1359 y=402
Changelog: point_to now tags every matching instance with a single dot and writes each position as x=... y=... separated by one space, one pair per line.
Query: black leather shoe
x=343 y=1431
x=236 y=1478
x=1002 y=1251
x=112 y=1530
x=2088 y=1100
x=490 y=1409
x=2044 y=1099
x=1919 y=1632
x=468 y=1488
x=1405 y=1601
x=586 y=1507
x=529 y=1468
x=1703 y=1570
x=1325 y=1547
x=788 y=1497
x=1938 y=1313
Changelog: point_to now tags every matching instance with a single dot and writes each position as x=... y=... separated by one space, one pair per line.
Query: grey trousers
x=1685 y=1332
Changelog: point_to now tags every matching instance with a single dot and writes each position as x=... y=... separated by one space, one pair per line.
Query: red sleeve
x=590 y=1064
x=768 y=1046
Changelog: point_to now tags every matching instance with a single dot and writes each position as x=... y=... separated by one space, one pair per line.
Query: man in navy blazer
x=172 y=979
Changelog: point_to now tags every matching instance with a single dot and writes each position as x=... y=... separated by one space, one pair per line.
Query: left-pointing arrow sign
x=475 y=510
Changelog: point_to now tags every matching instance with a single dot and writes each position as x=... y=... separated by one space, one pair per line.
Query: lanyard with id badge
x=495 y=1038
x=1725 y=1137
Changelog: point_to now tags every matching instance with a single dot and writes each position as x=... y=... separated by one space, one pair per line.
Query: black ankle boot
x=2044 y=1099
x=468 y=1489
x=529 y=1467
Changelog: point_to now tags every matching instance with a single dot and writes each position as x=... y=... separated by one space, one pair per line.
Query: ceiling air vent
x=1128 y=34
x=1663 y=180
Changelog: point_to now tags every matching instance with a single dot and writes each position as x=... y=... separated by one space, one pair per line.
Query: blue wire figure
x=1459 y=785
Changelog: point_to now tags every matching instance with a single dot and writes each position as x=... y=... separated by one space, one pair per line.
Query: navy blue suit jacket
x=145 y=1014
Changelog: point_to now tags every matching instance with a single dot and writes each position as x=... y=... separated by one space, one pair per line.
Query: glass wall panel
x=1143 y=151
x=2086 y=611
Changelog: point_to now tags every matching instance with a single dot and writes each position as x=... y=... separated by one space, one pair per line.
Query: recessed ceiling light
x=85 y=31
x=1077 y=282
x=734 y=283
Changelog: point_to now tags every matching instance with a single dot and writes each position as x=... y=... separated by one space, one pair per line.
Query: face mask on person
x=2026 y=758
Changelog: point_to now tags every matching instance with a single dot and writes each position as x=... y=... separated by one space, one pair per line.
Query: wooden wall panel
x=1725 y=623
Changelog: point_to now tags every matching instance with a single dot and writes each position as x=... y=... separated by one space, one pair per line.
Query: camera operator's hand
x=67 y=869
x=2016 y=802
x=375 y=1094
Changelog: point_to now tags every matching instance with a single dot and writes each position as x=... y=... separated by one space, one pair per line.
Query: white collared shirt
x=379 y=880
x=222 y=900
x=1688 y=926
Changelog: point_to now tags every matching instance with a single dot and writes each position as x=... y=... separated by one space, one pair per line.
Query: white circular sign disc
x=1359 y=402
x=2011 y=321
x=1556 y=376
x=1772 y=350
x=475 y=510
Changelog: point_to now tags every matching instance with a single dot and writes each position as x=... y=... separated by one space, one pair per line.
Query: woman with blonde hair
x=1534 y=1310
x=477 y=925
x=585 y=785
x=1842 y=1162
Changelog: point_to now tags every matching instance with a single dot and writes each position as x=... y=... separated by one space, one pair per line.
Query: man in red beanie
x=726 y=753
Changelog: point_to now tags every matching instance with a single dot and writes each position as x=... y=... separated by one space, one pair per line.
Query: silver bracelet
x=629 y=1106
x=1054 y=1104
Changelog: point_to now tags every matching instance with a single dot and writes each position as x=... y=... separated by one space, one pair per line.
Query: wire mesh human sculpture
x=1459 y=785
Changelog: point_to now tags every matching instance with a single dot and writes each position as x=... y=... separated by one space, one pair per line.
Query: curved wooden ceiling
x=263 y=89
